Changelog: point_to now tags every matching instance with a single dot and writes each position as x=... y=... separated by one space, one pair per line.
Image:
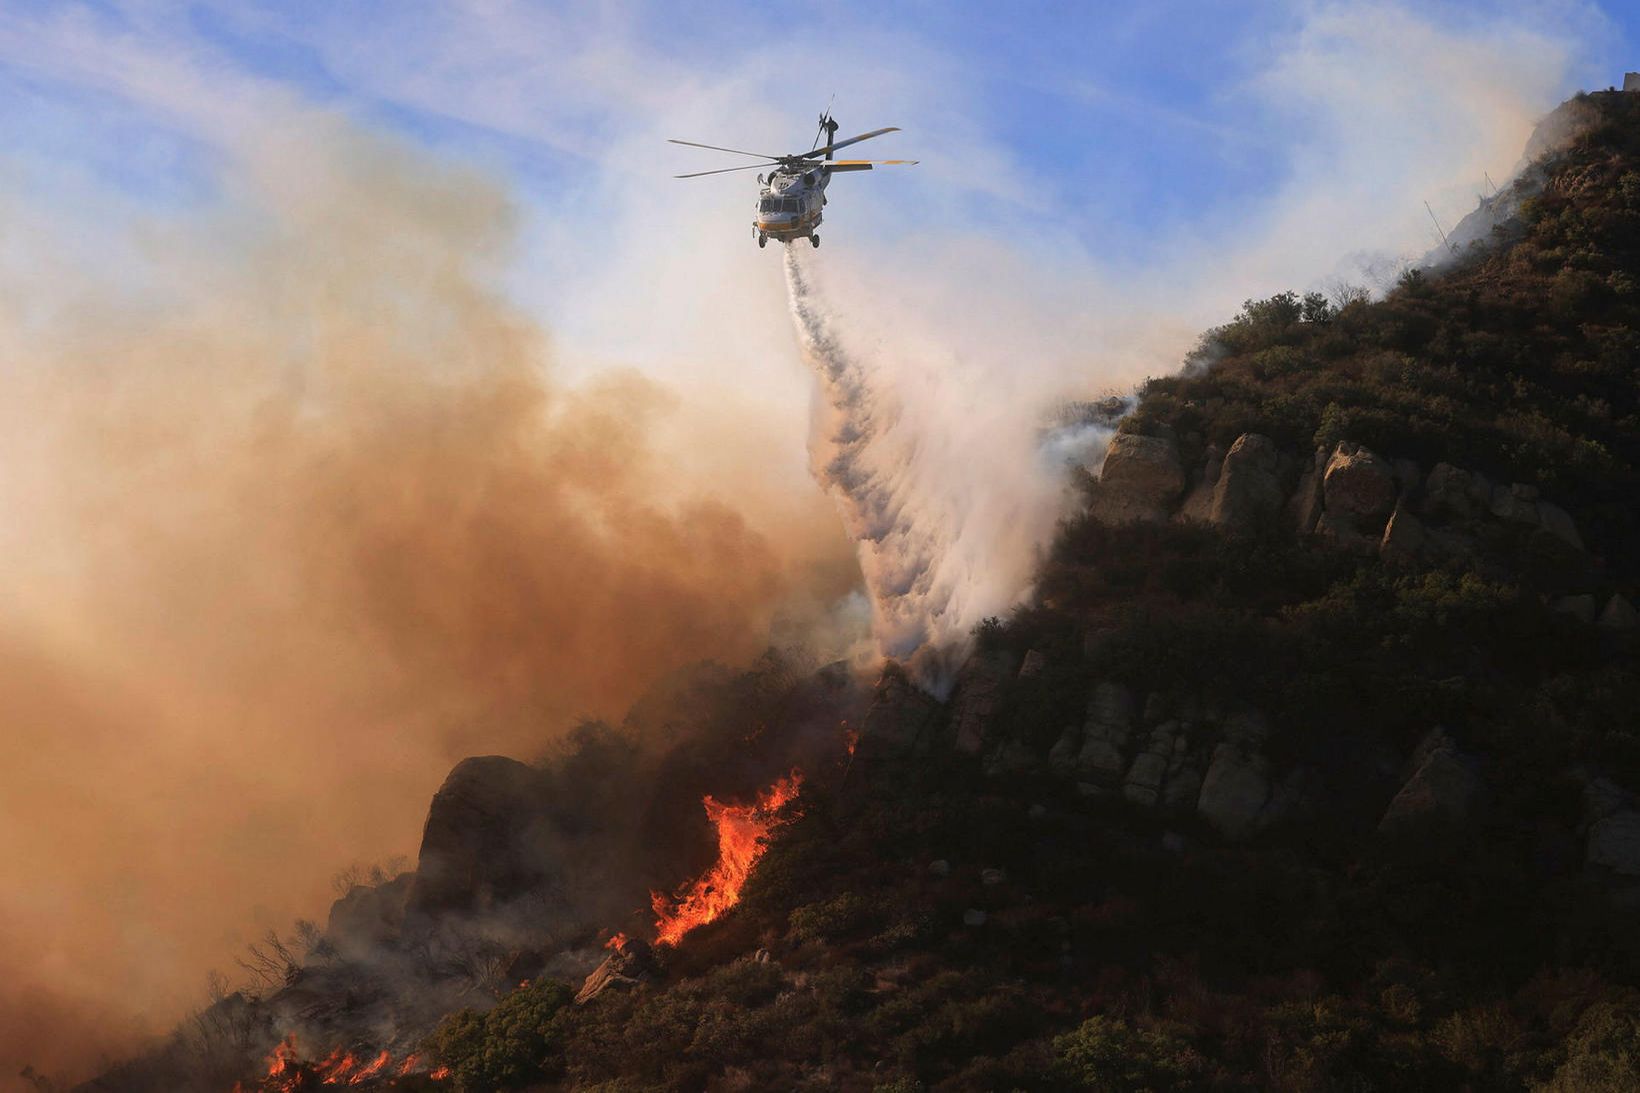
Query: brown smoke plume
x=292 y=519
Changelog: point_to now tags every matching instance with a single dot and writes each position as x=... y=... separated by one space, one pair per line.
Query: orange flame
x=287 y=1073
x=742 y=832
x=617 y=941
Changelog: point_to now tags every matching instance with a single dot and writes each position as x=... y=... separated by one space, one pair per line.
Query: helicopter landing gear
x=814 y=240
x=762 y=240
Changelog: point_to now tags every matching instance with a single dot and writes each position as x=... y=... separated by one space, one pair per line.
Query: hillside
x=1311 y=766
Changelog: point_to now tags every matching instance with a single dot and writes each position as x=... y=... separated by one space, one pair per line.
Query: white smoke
x=949 y=488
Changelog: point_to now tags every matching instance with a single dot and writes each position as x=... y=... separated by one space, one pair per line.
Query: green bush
x=1108 y=1055
x=518 y=1042
x=1603 y=1052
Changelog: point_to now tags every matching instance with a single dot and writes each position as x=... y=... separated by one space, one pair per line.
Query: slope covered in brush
x=1312 y=766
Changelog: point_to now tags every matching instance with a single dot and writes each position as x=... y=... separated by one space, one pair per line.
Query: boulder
x=1441 y=790
x=1447 y=494
x=1183 y=786
x=368 y=917
x=1618 y=614
x=1403 y=539
x=1247 y=728
x=1358 y=487
x=1614 y=842
x=1580 y=607
x=1014 y=757
x=1234 y=790
x=1141 y=479
x=1296 y=796
x=978 y=696
x=1105 y=734
x=1516 y=502
x=898 y=722
x=1305 y=506
x=1344 y=535
x=1601 y=798
x=1248 y=493
x=1144 y=779
x=1559 y=523
x=1062 y=756
x=1480 y=492
x=1198 y=503
x=488 y=838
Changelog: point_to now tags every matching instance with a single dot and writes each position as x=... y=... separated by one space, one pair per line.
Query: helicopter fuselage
x=793 y=194
x=790 y=204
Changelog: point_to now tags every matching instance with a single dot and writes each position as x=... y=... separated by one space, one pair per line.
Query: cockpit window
x=780 y=205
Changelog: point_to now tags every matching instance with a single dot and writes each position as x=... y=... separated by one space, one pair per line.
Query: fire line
x=742 y=832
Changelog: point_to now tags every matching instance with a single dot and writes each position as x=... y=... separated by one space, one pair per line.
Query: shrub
x=1108 y=1055
x=1603 y=1052
x=518 y=1042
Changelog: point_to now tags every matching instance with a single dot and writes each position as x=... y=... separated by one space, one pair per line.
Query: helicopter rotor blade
x=854 y=140
x=834 y=164
x=723 y=170
x=736 y=151
x=825 y=116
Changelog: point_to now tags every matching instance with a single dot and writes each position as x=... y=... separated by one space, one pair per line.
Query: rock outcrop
x=1234 y=790
x=1613 y=825
x=900 y=720
x=1248 y=493
x=368 y=917
x=1305 y=506
x=1141 y=479
x=1614 y=842
x=978 y=696
x=1441 y=790
x=1557 y=522
x=1404 y=538
x=1358 y=487
x=488 y=838
x=1102 y=759
x=1618 y=614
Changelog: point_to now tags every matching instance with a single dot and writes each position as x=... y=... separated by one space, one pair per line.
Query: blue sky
x=1144 y=167
x=1134 y=120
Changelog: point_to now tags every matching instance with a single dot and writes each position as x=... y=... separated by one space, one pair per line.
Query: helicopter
x=794 y=191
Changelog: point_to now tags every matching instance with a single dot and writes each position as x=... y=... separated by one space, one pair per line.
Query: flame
x=617 y=941
x=287 y=1073
x=851 y=739
x=742 y=832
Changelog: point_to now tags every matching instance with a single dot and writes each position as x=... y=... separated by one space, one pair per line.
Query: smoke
x=293 y=520
x=948 y=480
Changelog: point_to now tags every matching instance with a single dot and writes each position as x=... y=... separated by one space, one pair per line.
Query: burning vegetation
x=288 y=1073
x=742 y=835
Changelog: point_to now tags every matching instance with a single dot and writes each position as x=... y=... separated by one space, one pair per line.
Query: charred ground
x=1310 y=767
